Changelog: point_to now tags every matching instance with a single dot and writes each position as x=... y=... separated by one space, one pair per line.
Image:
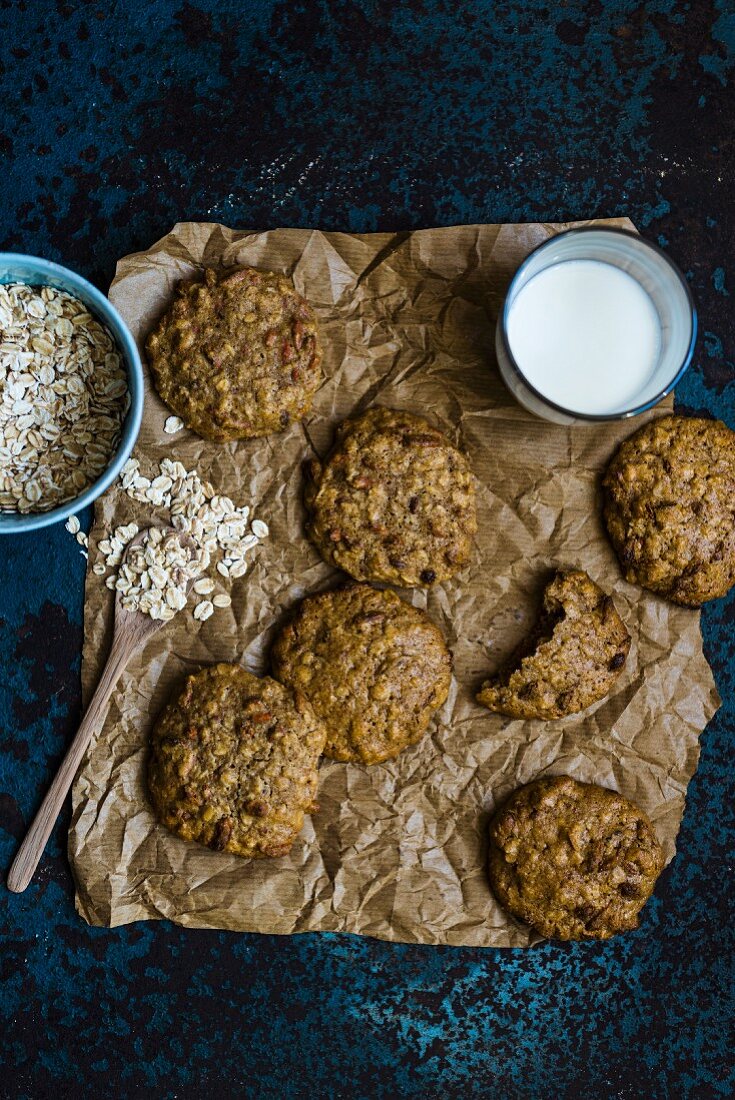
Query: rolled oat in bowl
x=63 y=398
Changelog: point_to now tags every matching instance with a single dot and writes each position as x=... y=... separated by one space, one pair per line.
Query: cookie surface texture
x=394 y=501
x=570 y=661
x=573 y=860
x=237 y=356
x=670 y=508
x=233 y=762
x=373 y=667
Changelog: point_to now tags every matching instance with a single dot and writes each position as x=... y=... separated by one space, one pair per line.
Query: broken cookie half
x=572 y=658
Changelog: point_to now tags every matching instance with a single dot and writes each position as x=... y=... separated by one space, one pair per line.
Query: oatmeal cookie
x=574 y=860
x=233 y=762
x=237 y=356
x=394 y=501
x=571 y=659
x=670 y=508
x=373 y=668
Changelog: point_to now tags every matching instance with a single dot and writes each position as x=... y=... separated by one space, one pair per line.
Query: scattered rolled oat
x=156 y=573
x=72 y=525
x=63 y=398
x=213 y=524
x=173 y=424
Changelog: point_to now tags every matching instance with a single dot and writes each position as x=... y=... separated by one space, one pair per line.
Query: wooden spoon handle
x=31 y=850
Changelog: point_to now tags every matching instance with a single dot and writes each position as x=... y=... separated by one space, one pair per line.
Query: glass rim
x=634 y=410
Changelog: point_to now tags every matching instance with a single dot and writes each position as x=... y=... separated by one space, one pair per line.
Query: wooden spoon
x=132 y=629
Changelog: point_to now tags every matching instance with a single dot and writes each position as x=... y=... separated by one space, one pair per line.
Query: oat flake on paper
x=397 y=850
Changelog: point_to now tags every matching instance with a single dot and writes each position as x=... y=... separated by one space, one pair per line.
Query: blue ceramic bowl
x=16 y=268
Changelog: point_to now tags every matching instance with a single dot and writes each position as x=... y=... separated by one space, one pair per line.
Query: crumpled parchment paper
x=397 y=850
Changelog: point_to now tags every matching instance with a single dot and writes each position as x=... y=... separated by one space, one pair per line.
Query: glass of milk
x=598 y=324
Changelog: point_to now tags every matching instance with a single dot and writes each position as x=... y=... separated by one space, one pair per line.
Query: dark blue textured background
x=118 y=119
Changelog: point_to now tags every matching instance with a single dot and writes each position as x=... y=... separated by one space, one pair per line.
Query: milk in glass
x=585 y=335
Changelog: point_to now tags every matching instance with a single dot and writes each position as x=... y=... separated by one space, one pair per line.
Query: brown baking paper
x=396 y=850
